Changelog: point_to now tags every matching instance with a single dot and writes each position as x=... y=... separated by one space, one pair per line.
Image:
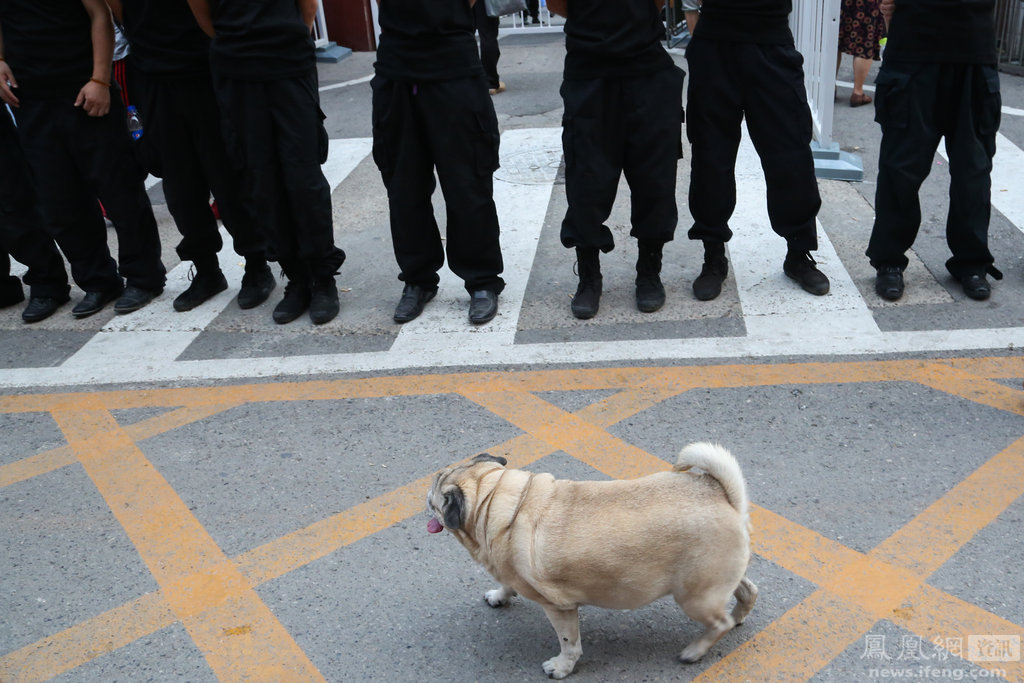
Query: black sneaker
x=414 y=298
x=256 y=287
x=295 y=302
x=133 y=298
x=10 y=291
x=801 y=267
x=889 y=282
x=323 y=302
x=42 y=307
x=203 y=287
x=650 y=293
x=587 y=300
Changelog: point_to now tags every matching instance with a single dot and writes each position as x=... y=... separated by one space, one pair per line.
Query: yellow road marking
x=202 y=586
x=856 y=589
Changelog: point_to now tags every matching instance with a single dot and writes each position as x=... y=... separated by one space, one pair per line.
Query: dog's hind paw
x=558 y=667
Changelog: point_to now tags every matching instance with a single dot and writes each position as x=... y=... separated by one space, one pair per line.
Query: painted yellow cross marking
x=214 y=596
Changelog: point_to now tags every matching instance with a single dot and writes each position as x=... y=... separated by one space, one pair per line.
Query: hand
x=7 y=83
x=886 y=7
x=94 y=98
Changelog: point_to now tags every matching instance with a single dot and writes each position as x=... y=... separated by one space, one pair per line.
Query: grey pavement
x=211 y=496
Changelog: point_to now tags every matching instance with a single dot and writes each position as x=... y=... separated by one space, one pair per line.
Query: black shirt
x=427 y=40
x=746 y=21
x=165 y=38
x=948 y=31
x=613 y=38
x=260 y=40
x=48 y=44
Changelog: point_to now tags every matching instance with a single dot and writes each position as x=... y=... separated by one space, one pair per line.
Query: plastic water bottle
x=134 y=122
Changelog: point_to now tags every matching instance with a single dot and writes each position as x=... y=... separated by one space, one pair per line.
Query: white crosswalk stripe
x=778 y=318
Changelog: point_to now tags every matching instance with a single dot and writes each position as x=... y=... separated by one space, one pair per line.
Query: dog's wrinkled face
x=447 y=500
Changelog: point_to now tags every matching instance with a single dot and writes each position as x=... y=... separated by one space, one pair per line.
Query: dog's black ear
x=454 y=508
x=487 y=457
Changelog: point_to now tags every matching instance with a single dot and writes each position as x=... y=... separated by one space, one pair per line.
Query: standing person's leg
x=102 y=148
x=463 y=142
x=70 y=213
x=593 y=146
x=904 y=107
x=176 y=159
x=301 y=147
x=971 y=145
x=651 y=166
x=250 y=138
x=202 y=120
x=22 y=235
x=401 y=152
x=487 y=28
x=713 y=126
x=780 y=127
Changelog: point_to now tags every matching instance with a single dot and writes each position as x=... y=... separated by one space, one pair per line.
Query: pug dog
x=615 y=544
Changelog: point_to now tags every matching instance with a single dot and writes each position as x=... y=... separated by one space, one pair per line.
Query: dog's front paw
x=558 y=667
x=499 y=597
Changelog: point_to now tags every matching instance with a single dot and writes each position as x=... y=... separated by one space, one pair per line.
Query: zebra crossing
x=762 y=314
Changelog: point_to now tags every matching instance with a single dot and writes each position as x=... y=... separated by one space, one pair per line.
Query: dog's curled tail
x=720 y=464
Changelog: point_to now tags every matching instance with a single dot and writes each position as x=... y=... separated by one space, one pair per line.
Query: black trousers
x=75 y=159
x=764 y=84
x=916 y=105
x=183 y=144
x=616 y=126
x=275 y=135
x=449 y=126
x=487 y=29
x=21 y=226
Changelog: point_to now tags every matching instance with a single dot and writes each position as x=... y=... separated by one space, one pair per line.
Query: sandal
x=858 y=100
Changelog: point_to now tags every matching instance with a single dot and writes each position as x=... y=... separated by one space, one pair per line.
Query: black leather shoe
x=203 y=287
x=93 y=302
x=323 y=302
x=295 y=302
x=976 y=287
x=889 y=282
x=414 y=298
x=133 y=299
x=801 y=267
x=483 y=306
x=256 y=288
x=10 y=291
x=42 y=307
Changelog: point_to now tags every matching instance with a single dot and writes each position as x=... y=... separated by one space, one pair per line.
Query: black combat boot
x=650 y=293
x=588 y=294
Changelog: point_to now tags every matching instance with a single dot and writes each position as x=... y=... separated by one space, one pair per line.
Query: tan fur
x=615 y=544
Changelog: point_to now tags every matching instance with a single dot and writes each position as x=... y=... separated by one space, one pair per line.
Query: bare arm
x=94 y=97
x=117 y=9
x=308 y=9
x=201 y=10
x=7 y=80
x=559 y=7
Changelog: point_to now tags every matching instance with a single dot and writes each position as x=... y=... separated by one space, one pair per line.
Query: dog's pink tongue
x=434 y=526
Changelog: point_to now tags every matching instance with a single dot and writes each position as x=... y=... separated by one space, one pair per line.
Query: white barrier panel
x=815 y=25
